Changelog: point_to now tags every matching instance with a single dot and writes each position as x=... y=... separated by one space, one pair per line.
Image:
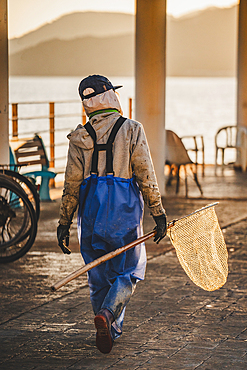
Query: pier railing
x=52 y=121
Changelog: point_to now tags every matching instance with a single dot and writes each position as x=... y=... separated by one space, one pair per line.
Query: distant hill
x=203 y=43
x=112 y=56
x=76 y=25
x=199 y=44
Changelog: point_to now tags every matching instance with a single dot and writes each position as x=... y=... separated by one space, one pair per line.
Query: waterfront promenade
x=170 y=323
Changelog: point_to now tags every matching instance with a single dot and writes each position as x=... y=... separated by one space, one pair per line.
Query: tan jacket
x=130 y=155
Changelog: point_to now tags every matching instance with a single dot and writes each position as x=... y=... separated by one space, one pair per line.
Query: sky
x=27 y=15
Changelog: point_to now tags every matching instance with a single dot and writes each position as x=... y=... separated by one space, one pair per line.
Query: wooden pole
x=84 y=117
x=15 y=120
x=120 y=250
x=102 y=259
x=130 y=108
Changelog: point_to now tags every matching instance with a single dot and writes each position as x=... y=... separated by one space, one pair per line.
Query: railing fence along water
x=50 y=121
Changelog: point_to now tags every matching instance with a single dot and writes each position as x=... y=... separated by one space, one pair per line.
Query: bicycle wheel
x=18 y=223
x=29 y=188
x=13 y=215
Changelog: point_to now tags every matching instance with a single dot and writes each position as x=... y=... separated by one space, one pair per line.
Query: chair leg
x=196 y=181
x=223 y=156
x=186 y=182
x=44 y=191
x=169 y=180
x=216 y=159
x=203 y=164
x=177 y=185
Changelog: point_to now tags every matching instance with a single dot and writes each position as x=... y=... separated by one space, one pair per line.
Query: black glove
x=161 y=227
x=63 y=238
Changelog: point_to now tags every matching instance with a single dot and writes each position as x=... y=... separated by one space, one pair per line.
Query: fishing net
x=200 y=248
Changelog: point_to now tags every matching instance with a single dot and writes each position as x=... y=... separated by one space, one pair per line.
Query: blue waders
x=110 y=216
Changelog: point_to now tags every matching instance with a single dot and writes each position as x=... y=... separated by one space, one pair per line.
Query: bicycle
x=18 y=220
x=29 y=188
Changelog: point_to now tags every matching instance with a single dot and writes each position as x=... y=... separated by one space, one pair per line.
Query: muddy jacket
x=130 y=155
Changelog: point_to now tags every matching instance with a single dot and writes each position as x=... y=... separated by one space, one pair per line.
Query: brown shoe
x=103 y=321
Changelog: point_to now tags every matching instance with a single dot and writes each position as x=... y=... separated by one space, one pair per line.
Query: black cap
x=98 y=83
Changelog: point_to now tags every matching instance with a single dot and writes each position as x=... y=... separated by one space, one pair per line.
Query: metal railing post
x=15 y=120
x=130 y=108
x=52 y=139
x=84 y=118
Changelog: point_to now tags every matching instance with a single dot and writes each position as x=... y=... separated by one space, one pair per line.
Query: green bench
x=31 y=152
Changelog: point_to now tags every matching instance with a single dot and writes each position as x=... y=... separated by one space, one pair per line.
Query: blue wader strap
x=107 y=147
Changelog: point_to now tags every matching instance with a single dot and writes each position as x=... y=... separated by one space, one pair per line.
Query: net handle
x=118 y=251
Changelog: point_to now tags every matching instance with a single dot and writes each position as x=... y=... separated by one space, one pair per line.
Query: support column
x=4 y=93
x=242 y=83
x=150 y=72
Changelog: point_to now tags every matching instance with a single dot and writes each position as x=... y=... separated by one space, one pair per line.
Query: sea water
x=194 y=106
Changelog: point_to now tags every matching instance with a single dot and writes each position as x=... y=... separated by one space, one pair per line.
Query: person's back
x=108 y=171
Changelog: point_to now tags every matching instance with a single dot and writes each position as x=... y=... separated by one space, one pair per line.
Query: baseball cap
x=96 y=84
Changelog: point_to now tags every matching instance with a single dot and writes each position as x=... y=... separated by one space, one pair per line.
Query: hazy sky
x=26 y=15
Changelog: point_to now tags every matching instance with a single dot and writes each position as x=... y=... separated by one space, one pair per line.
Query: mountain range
x=203 y=43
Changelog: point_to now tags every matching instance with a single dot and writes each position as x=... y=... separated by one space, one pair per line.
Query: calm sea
x=194 y=106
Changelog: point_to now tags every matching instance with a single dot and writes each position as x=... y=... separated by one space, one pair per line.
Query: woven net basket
x=200 y=248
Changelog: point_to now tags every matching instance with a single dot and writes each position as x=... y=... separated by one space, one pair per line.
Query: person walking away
x=109 y=173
